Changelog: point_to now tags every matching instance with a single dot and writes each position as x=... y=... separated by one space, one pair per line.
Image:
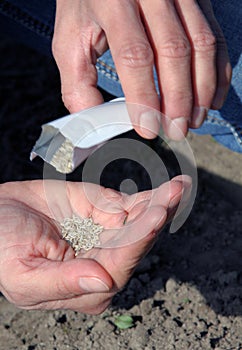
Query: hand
x=183 y=40
x=38 y=269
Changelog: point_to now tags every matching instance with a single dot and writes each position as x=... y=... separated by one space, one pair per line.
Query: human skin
x=181 y=38
x=39 y=270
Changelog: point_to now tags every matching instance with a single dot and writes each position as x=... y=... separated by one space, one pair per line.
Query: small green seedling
x=124 y=322
x=186 y=301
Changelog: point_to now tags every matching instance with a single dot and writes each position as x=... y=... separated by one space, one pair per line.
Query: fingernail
x=198 y=116
x=149 y=123
x=92 y=285
x=176 y=128
x=185 y=180
x=175 y=200
x=185 y=193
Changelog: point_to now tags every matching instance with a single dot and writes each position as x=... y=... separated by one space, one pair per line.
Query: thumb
x=54 y=280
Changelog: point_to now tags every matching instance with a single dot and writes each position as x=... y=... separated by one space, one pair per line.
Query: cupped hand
x=181 y=38
x=39 y=270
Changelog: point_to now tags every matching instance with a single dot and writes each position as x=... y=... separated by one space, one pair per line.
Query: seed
x=81 y=233
x=62 y=159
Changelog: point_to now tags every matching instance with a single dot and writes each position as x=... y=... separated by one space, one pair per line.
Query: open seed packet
x=66 y=142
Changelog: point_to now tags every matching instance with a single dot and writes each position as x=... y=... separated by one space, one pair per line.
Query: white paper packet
x=66 y=142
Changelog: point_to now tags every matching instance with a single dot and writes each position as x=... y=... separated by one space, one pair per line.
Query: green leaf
x=124 y=322
x=186 y=301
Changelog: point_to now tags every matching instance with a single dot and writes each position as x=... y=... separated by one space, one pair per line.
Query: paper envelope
x=66 y=142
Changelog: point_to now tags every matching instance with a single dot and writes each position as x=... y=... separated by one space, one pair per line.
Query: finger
x=75 y=57
x=224 y=70
x=137 y=229
x=144 y=210
x=203 y=45
x=172 y=59
x=166 y=194
x=54 y=281
x=133 y=59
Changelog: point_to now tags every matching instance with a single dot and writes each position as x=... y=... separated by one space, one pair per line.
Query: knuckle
x=175 y=48
x=136 y=55
x=71 y=100
x=204 y=41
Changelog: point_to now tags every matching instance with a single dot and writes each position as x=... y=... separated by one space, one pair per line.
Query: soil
x=186 y=294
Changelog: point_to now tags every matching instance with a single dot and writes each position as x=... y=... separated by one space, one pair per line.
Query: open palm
x=38 y=269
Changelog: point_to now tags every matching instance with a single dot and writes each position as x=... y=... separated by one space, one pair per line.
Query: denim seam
x=107 y=70
x=25 y=19
x=235 y=129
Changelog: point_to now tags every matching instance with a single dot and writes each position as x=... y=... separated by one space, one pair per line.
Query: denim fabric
x=33 y=21
x=29 y=21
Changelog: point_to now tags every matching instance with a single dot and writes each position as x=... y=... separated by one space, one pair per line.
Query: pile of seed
x=81 y=233
x=62 y=159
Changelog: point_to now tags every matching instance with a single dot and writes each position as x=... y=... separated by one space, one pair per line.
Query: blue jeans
x=32 y=22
